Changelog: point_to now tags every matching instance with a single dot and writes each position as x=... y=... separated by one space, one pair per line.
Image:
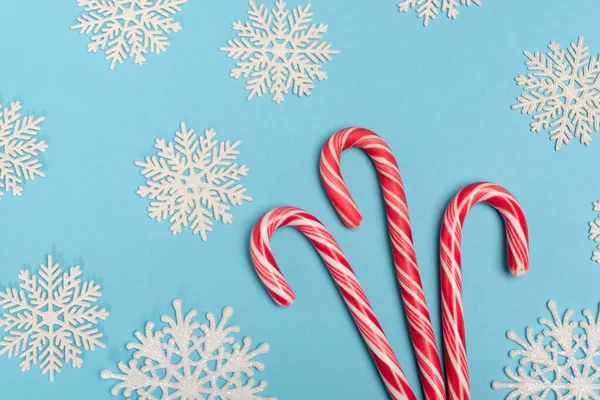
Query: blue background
x=440 y=96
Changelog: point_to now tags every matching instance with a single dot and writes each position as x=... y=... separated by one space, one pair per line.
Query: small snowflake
x=279 y=50
x=562 y=92
x=429 y=9
x=128 y=27
x=18 y=149
x=188 y=360
x=51 y=318
x=561 y=361
x=595 y=231
x=193 y=181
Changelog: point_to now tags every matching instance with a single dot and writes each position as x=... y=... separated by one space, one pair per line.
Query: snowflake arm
x=186 y=359
x=428 y=10
x=560 y=362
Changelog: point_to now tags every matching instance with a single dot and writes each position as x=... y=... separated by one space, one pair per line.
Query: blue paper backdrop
x=440 y=96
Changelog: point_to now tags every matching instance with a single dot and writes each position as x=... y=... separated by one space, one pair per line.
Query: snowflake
x=562 y=92
x=429 y=9
x=561 y=361
x=277 y=50
x=595 y=232
x=188 y=360
x=18 y=149
x=193 y=181
x=51 y=318
x=128 y=27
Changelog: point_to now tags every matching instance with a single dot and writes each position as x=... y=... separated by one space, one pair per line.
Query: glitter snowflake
x=562 y=92
x=128 y=27
x=51 y=319
x=278 y=50
x=429 y=9
x=560 y=363
x=193 y=181
x=595 y=232
x=18 y=149
x=188 y=360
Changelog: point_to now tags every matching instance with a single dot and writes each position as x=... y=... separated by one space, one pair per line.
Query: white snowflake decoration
x=595 y=232
x=194 y=181
x=562 y=92
x=128 y=27
x=19 y=148
x=52 y=319
x=190 y=361
x=560 y=362
x=278 y=50
x=429 y=9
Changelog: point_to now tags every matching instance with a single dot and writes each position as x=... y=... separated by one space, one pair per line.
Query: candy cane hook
x=405 y=260
x=450 y=258
x=343 y=275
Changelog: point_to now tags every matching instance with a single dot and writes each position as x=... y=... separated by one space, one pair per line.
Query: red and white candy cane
x=345 y=279
x=450 y=258
x=407 y=272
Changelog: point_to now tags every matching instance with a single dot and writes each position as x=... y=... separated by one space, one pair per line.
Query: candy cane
x=400 y=234
x=450 y=258
x=344 y=277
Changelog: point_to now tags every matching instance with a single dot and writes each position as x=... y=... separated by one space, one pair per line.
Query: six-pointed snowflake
x=561 y=362
x=278 y=50
x=193 y=181
x=128 y=27
x=562 y=92
x=188 y=360
x=18 y=149
x=429 y=9
x=595 y=232
x=51 y=319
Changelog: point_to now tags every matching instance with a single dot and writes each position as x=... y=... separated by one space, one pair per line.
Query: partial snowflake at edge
x=428 y=10
x=128 y=28
x=279 y=50
x=193 y=181
x=51 y=319
x=19 y=149
x=562 y=92
x=560 y=362
x=594 y=233
x=186 y=359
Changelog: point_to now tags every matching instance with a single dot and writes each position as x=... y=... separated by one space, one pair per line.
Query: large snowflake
x=128 y=27
x=278 y=50
x=560 y=363
x=18 y=149
x=190 y=361
x=52 y=319
x=562 y=92
x=595 y=232
x=429 y=9
x=194 y=181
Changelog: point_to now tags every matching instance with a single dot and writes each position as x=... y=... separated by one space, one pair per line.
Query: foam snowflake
x=188 y=360
x=278 y=50
x=18 y=149
x=562 y=92
x=429 y=9
x=193 y=181
x=595 y=232
x=128 y=27
x=560 y=363
x=51 y=319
